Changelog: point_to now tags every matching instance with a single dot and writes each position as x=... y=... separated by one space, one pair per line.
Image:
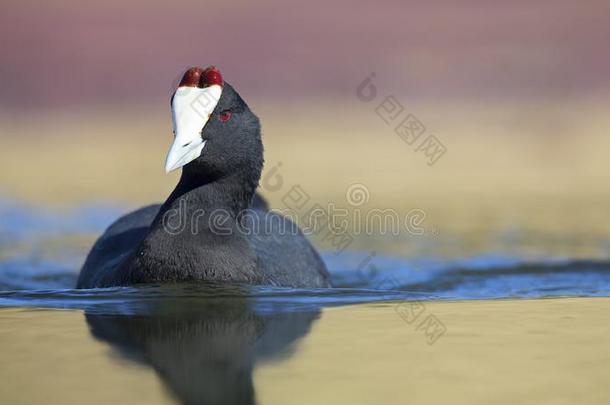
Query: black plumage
x=213 y=226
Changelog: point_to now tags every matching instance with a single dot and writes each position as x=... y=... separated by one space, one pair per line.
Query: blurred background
x=516 y=93
x=489 y=119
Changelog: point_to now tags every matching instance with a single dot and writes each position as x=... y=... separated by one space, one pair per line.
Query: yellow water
x=525 y=351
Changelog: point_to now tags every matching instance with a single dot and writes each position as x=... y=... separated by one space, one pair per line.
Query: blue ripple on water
x=31 y=278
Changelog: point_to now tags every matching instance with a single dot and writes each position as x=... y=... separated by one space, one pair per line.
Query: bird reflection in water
x=204 y=350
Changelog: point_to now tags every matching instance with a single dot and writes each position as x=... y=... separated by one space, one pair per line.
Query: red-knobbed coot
x=213 y=226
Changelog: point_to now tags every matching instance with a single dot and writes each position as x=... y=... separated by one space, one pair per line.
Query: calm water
x=414 y=328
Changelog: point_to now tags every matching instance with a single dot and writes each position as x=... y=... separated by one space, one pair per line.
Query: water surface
x=419 y=329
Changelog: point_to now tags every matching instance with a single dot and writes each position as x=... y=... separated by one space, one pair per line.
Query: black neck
x=232 y=193
x=192 y=202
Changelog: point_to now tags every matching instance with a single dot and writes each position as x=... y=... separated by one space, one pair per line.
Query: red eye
x=224 y=116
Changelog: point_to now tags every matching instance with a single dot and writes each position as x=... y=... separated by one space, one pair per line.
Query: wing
x=116 y=244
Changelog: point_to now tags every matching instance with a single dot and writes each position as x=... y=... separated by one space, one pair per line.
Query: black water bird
x=213 y=226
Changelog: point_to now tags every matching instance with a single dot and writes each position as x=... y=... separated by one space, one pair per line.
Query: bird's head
x=215 y=132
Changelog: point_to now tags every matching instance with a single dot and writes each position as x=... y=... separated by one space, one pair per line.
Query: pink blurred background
x=62 y=53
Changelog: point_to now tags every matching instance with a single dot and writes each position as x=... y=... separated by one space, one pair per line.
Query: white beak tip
x=179 y=156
